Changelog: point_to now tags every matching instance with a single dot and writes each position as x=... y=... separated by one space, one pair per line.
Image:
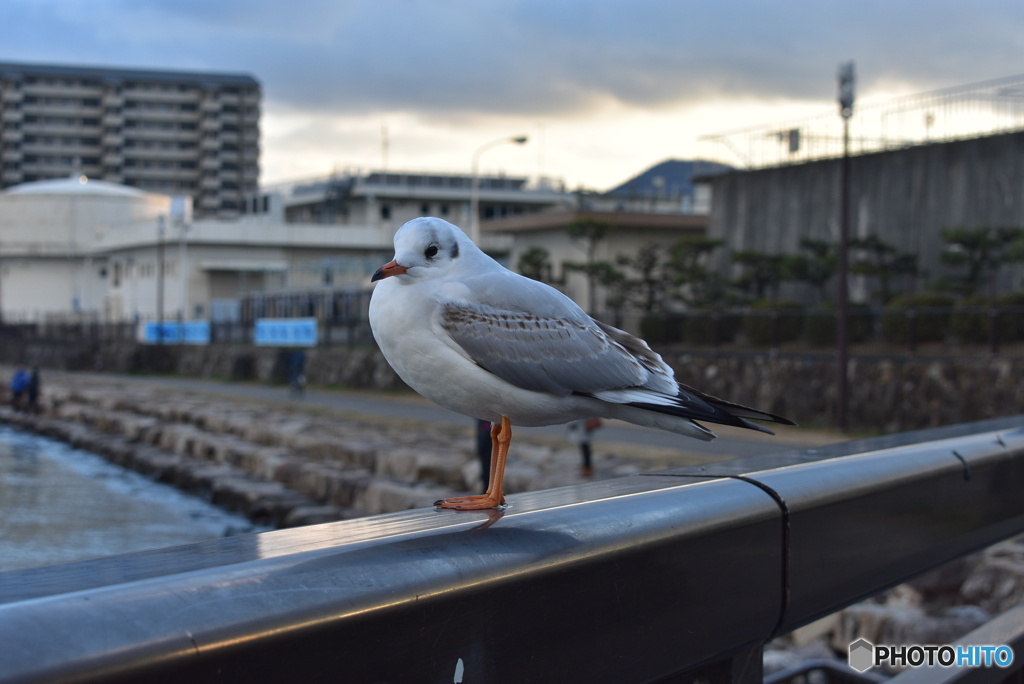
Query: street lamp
x=846 y=95
x=474 y=197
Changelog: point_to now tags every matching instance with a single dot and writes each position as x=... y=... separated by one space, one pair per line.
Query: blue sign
x=175 y=332
x=285 y=332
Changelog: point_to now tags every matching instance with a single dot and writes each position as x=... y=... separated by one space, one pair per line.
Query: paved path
x=731 y=442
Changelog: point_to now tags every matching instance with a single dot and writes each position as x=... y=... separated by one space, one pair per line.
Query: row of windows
x=425 y=210
x=59 y=160
x=442 y=210
x=159 y=164
x=133 y=105
x=62 y=101
x=160 y=125
x=160 y=145
x=145 y=269
x=166 y=187
x=63 y=141
x=62 y=120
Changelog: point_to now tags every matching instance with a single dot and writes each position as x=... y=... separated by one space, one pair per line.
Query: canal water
x=61 y=504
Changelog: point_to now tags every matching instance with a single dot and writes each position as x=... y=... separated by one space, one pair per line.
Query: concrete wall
x=906 y=197
x=888 y=394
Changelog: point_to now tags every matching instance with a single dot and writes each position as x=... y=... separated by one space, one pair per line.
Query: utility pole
x=846 y=96
x=160 y=227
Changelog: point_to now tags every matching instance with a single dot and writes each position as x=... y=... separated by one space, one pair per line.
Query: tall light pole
x=183 y=265
x=474 y=196
x=160 y=227
x=846 y=95
x=181 y=215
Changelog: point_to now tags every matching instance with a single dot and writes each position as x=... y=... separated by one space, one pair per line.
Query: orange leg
x=501 y=436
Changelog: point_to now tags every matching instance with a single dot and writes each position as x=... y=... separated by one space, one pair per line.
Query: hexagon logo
x=862 y=655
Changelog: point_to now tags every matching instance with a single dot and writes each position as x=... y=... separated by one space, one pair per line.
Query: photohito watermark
x=864 y=655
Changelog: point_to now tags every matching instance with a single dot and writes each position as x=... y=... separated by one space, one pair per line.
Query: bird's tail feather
x=693 y=405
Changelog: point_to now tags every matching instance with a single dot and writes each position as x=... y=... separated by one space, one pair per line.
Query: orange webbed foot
x=476 y=502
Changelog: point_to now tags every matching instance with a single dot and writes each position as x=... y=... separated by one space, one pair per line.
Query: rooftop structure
x=389 y=199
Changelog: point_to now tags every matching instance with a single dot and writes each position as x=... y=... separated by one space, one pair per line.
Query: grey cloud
x=529 y=57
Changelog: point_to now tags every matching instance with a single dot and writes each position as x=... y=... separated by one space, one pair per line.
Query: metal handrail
x=642 y=578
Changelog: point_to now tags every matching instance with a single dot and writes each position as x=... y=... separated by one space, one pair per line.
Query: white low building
x=85 y=249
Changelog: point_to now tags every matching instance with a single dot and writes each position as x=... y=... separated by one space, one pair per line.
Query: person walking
x=19 y=385
x=581 y=432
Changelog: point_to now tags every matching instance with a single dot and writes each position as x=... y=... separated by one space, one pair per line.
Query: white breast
x=406 y=326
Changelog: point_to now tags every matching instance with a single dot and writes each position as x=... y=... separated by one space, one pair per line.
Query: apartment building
x=168 y=132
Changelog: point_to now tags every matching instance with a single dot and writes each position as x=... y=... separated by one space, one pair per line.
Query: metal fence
x=676 y=576
x=900 y=329
x=957 y=113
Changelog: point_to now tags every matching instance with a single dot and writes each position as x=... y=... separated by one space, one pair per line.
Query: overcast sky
x=603 y=89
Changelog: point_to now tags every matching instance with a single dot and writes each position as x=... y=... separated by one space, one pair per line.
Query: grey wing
x=558 y=355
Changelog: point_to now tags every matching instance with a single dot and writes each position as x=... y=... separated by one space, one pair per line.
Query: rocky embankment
x=283 y=466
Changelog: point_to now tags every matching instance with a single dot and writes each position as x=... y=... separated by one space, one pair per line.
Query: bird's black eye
x=430 y=252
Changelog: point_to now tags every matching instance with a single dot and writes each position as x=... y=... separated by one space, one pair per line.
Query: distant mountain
x=670 y=178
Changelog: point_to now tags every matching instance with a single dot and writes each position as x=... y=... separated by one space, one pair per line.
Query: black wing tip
x=715 y=411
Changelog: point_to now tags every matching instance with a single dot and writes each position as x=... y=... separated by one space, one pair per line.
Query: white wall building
x=89 y=249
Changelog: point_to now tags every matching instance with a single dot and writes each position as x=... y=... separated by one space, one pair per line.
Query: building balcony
x=54 y=90
x=60 y=129
x=63 y=150
x=157 y=135
x=150 y=95
x=137 y=153
x=144 y=175
x=155 y=115
x=61 y=110
x=56 y=169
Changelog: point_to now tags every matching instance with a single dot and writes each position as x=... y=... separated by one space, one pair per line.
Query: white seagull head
x=427 y=248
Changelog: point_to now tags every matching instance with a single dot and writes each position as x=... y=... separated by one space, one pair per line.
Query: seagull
x=481 y=340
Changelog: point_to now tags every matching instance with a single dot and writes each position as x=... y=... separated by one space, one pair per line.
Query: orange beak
x=387 y=270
